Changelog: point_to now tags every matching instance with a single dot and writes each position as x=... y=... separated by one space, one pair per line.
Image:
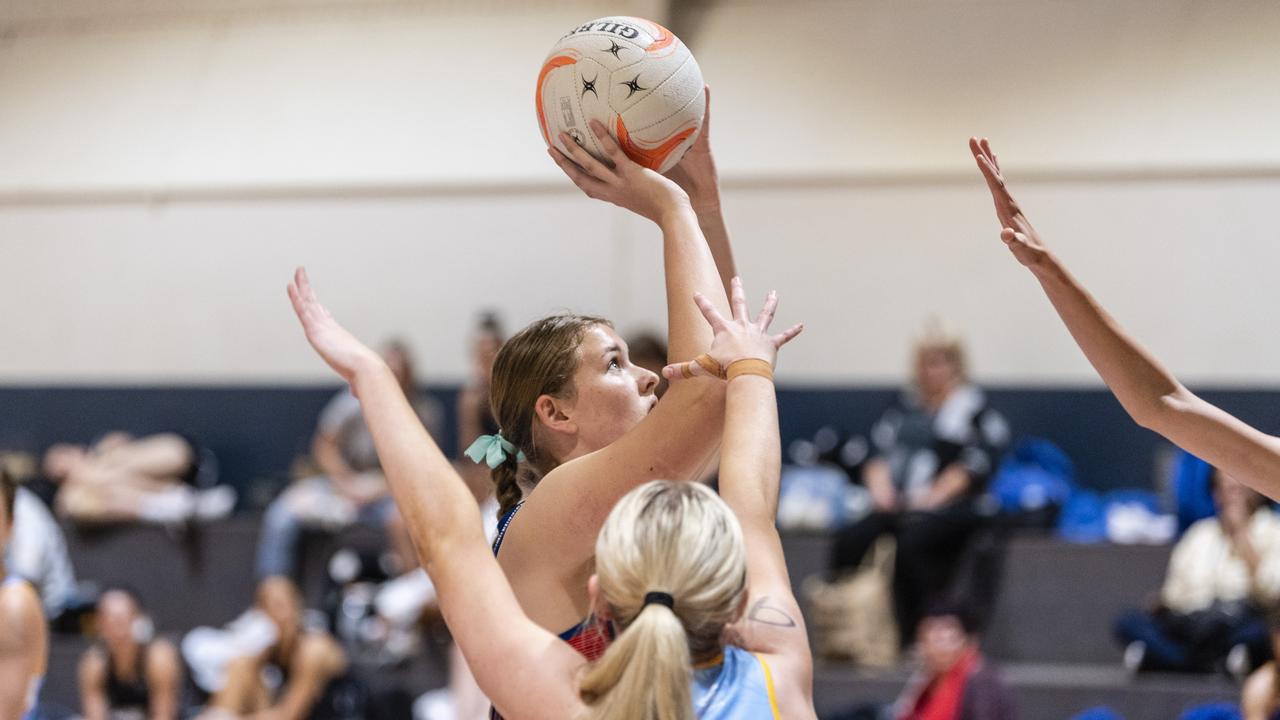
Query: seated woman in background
x=955 y=681
x=932 y=453
x=1261 y=697
x=125 y=479
x=296 y=676
x=349 y=487
x=1224 y=571
x=128 y=674
x=649 y=351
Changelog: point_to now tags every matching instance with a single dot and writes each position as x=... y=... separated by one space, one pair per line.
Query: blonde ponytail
x=646 y=673
x=671 y=567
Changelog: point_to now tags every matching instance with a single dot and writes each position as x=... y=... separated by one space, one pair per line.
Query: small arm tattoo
x=766 y=614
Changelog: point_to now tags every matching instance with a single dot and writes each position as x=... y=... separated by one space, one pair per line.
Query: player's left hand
x=741 y=338
x=696 y=172
x=339 y=348
x=1016 y=230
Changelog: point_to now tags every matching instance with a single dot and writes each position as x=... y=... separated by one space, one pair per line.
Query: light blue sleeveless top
x=739 y=688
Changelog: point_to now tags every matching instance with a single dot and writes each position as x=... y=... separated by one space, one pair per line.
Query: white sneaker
x=1134 y=655
x=1238 y=663
x=435 y=705
x=215 y=503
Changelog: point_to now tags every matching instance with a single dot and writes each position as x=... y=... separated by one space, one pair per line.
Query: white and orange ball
x=632 y=75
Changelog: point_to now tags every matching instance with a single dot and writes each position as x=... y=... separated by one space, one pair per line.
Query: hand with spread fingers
x=1016 y=231
x=339 y=348
x=735 y=340
x=621 y=180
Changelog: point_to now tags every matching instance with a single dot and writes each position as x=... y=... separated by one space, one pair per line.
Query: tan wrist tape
x=750 y=366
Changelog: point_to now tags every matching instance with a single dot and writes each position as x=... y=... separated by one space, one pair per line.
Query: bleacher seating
x=1050 y=629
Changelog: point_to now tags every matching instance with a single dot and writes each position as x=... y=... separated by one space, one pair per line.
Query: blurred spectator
x=1260 y=699
x=120 y=478
x=37 y=553
x=474 y=413
x=932 y=453
x=128 y=674
x=300 y=674
x=649 y=350
x=955 y=681
x=24 y=637
x=475 y=418
x=350 y=487
x=1221 y=572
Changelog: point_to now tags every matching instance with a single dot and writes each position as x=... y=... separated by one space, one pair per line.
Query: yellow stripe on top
x=768 y=682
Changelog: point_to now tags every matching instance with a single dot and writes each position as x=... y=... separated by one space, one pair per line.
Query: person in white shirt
x=37 y=553
x=1223 y=571
x=24 y=637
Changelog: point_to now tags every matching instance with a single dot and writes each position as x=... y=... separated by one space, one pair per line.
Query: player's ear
x=555 y=414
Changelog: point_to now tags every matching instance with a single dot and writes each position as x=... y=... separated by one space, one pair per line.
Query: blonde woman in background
x=678 y=570
x=932 y=452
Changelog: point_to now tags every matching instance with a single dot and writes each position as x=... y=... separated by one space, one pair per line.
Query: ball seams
x=654 y=89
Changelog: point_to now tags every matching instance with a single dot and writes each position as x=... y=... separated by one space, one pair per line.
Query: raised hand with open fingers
x=339 y=348
x=1016 y=230
x=740 y=338
x=619 y=179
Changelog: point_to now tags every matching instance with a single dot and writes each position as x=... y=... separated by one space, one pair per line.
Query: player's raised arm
x=1151 y=395
x=523 y=667
x=696 y=174
x=680 y=436
x=750 y=466
x=687 y=260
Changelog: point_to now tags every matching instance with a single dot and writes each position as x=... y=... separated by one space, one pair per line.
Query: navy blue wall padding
x=257 y=430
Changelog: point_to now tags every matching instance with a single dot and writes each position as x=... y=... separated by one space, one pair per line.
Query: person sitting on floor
x=299 y=675
x=128 y=674
x=1260 y=699
x=1222 y=571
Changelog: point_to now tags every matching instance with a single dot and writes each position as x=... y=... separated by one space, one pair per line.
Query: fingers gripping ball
x=632 y=75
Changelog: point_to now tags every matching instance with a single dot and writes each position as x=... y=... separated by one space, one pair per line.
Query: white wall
x=163 y=172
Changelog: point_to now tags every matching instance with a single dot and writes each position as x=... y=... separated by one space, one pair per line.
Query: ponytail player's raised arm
x=750 y=469
x=1152 y=396
x=522 y=667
